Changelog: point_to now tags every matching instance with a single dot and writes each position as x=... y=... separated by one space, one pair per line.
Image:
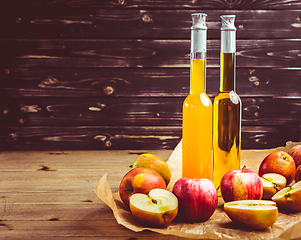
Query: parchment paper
x=219 y=226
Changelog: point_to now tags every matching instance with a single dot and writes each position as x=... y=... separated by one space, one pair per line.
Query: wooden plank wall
x=112 y=74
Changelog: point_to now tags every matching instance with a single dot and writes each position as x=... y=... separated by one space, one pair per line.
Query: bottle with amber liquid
x=197 y=109
x=226 y=107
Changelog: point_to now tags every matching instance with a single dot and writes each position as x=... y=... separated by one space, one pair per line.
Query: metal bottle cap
x=228 y=34
x=198 y=34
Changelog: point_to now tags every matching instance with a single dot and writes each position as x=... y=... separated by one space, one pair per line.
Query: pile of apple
x=251 y=199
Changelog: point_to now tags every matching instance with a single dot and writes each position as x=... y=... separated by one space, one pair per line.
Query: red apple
x=295 y=152
x=197 y=198
x=298 y=174
x=279 y=162
x=139 y=180
x=241 y=184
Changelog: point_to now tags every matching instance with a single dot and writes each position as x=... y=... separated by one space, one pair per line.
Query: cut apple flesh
x=278 y=180
x=272 y=183
x=289 y=197
x=256 y=214
x=156 y=201
x=158 y=208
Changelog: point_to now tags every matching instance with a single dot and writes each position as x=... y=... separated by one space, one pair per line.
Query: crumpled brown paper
x=219 y=226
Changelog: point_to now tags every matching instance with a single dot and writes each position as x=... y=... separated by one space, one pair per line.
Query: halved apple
x=272 y=183
x=158 y=208
x=255 y=214
x=289 y=197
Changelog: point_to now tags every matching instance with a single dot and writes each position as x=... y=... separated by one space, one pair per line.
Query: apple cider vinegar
x=226 y=108
x=197 y=109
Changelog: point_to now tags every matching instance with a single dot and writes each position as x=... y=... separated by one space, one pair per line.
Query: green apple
x=254 y=214
x=154 y=162
x=272 y=183
x=289 y=197
x=158 y=208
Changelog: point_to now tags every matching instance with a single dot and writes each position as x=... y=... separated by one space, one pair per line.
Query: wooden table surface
x=50 y=195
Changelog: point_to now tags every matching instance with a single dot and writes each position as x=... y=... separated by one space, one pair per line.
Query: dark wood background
x=112 y=74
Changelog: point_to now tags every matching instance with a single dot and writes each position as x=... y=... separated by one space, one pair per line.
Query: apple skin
x=298 y=174
x=197 y=198
x=289 y=198
x=254 y=214
x=295 y=152
x=279 y=162
x=139 y=180
x=241 y=184
x=154 y=162
x=156 y=209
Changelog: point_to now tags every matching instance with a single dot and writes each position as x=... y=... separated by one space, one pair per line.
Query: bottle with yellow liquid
x=226 y=107
x=197 y=109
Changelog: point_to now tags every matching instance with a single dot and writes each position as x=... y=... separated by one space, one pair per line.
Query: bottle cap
x=228 y=34
x=198 y=36
x=228 y=23
x=199 y=21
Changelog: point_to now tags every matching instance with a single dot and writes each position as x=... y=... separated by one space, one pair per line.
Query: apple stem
x=243 y=168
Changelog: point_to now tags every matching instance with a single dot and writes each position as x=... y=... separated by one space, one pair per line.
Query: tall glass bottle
x=226 y=107
x=197 y=109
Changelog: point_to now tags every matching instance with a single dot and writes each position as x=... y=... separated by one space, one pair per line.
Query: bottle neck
x=228 y=61
x=227 y=72
x=197 y=76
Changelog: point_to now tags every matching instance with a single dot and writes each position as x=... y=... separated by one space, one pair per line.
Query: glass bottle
x=197 y=109
x=226 y=107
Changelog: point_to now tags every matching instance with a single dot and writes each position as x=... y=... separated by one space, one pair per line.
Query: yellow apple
x=272 y=183
x=157 y=208
x=289 y=197
x=154 y=162
x=254 y=214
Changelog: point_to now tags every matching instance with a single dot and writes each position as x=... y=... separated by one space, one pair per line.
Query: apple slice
x=272 y=183
x=158 y=208
x=255 y=214
x=289 y=197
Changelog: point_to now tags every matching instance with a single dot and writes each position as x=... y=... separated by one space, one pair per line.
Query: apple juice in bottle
x=226 y=107
x=197 y=109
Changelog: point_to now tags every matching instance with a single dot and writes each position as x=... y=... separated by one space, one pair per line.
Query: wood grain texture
x=141 y=82
x=128 y=137
x=113 y=73
x=179 y=4
x=142 y=53
x=61 y=204
x=91 y=22
x=136 y=111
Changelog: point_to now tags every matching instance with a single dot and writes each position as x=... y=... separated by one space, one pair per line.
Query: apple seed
x=288 y=194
